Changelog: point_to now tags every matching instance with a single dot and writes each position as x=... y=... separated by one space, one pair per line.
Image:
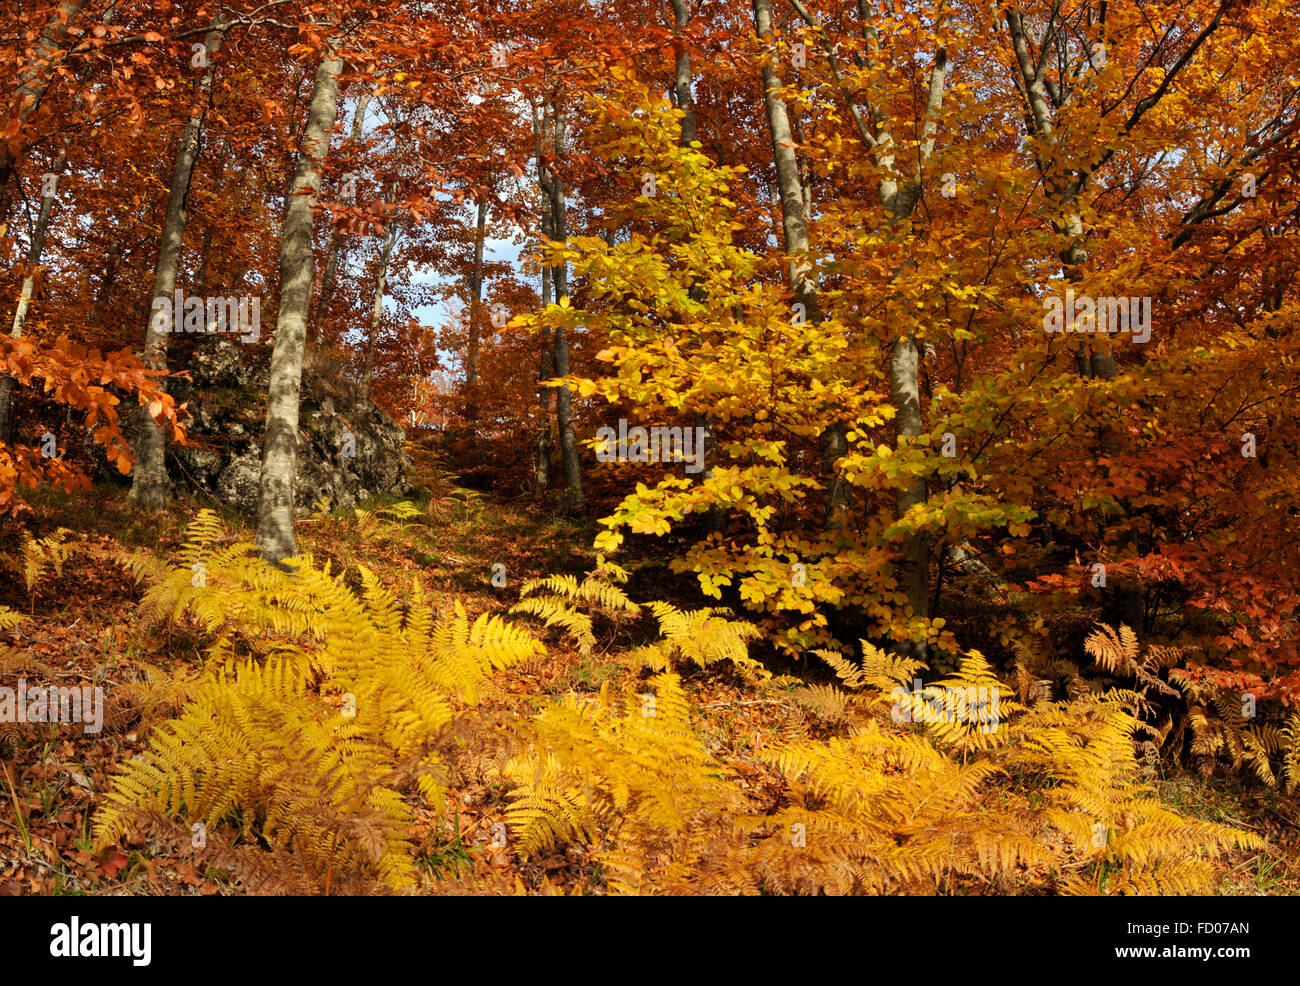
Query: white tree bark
x=377 y=312
x=275 y=534
x=335 y=247
x=475 y=320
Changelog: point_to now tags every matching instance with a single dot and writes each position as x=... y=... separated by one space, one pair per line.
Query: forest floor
x=83 y=629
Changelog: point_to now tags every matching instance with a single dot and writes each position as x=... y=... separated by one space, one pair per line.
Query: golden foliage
x=1223 y=724
x=38 y=556
x=315 y=728
x=1122 y=839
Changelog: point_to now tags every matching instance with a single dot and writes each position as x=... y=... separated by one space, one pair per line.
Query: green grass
x=449 y=856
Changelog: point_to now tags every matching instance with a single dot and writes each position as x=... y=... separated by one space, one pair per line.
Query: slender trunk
x=545 y=370
x=905 y=394
x=899 y=198
x=682 y=79
x=7 y=384
x=377 y=313
x=794 y=222
x=275 y=534
x=105 y=293
x=574 y=501
x=716 y=517
x=546 y=364
x=34 y=250
x=37 y=246
x=219 y=184
x=555 y=228
x=33 y=81
x=1095 y=358
x=335 y=247
x=201 y=275
x=150 y=483
x=475 y=316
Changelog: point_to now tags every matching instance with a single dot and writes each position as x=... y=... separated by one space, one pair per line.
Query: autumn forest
x=648 y=447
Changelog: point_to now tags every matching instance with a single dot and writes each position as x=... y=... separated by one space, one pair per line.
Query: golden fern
x=703 y=637
x=965 y=711
x=628 y=773
x=314 y=730
x=1222 y=729
x=10 y=618
x=1049 y=799
x=38 y=556
x=154 y=694
x=881 y=812
x=564 y=594
x=1121 y=839
x=1222 y=723
x=824 y=701
x=877 y=669
x=1291 y=755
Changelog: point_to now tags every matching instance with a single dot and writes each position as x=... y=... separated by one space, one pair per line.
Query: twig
x=756 y=701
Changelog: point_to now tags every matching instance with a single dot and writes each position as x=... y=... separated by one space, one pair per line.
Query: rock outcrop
x=348 y=448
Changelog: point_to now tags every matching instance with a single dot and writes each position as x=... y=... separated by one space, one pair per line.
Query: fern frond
x=319 y=712
x=702 y=637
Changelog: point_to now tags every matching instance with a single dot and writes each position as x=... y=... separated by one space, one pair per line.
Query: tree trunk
x=1095 y=359
x=682 y=79
x=34 y=80
x=205 y=255
x=324 y=299
x=475 y=317
x=574 y=501
x=201 y=275
x=913 y=572
x=37 y=246
x=716 y=518
x=794 y=222
x=545 y=370
x=555 y=227
x=275 y=535
x=150 y=484
x=377 y=313
x=899 y=199
x=105 y=293
x=34 y=251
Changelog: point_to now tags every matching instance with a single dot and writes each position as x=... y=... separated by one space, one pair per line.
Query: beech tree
x=275 y=507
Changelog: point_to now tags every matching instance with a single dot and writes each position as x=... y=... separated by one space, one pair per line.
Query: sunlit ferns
x=319 y=712
x=627 y=773
x=1049 y=798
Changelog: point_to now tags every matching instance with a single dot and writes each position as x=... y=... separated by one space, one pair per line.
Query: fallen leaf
x=114 y=864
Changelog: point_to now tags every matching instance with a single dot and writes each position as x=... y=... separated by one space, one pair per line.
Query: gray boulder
x=348 y=448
